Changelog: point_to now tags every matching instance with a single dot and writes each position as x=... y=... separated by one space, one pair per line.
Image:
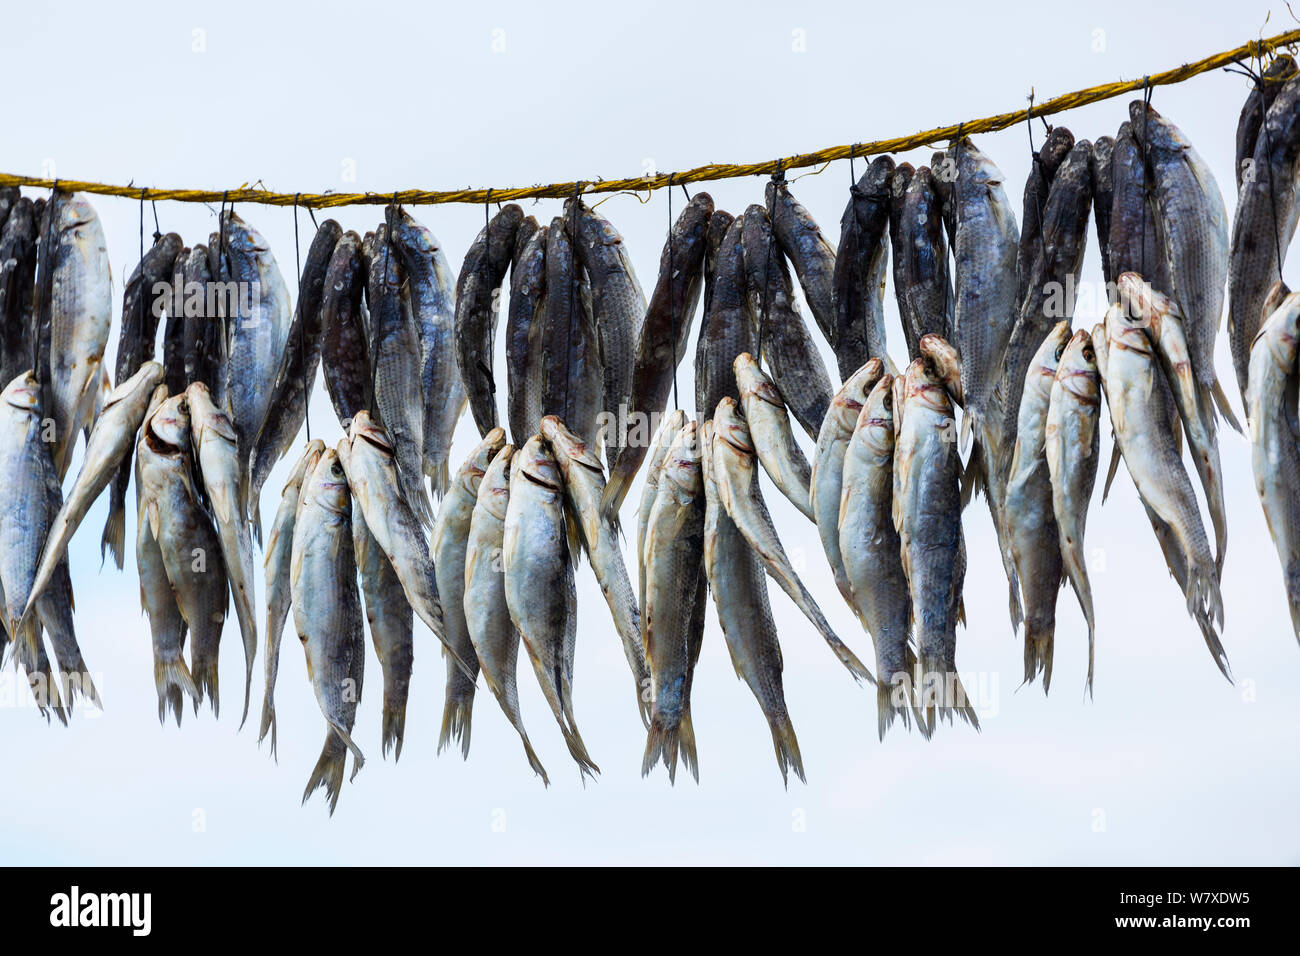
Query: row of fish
x=404 y=345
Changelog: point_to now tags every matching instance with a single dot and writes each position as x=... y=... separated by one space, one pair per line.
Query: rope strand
x=419 y=197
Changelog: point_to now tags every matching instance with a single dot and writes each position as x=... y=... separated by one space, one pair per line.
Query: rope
x=713 y=171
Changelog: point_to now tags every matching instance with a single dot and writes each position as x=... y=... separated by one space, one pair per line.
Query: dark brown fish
x=1103 y=197
x=728 y=328
x=17 y=278
x=858 y=329
x=1038 y=186
x=664 y=337
x=527 y=306
x=345 y=349
x=478 y=305
x=1261 y=97
x=813 y=257
x=921 y=276
x=204 y=344
x=792 y=357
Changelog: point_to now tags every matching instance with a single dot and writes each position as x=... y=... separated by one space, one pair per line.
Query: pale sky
x=1169 y=763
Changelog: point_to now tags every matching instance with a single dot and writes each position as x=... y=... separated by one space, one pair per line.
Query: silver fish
x=447 y=549
x=496 y=641
x=327 y=614
x=279 y=559
x=739 y=586
x=769 y=427
x=584 y=481
x=539 y=584
x=733 y=468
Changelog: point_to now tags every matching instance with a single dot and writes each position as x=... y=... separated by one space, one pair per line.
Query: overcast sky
x=1169 y=763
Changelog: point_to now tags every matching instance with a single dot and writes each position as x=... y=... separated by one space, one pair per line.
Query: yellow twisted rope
x=419 y=197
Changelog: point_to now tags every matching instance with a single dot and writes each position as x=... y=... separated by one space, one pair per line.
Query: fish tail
x=1039 y=647
x=394 y=727
x=77 y=678
x=893 y=701
x=204 y=673
x=662 y=742
x=974 y=477
x=114 y=538
x=686 y=743
x=439 y=478
x=1205 y=605
x=1225 y=408
x=456 y=713
x=616 y=489
x=268 y=724
x=328 y=772
x=786 y=746
x=1078 y=575
x=961 y=703
x=358 y=758
x=29 y=652
x=172 y=678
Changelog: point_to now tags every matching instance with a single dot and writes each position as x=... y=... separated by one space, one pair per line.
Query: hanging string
x=573 y=296
x=853 y=177
x=302 y=331
x=1146 y=152
x=672 y=286
x=777 y=177
x=157 y=229
x=1036 y=165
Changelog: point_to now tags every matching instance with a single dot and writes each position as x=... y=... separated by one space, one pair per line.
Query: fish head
x=205 y=417
x=568 y=447
x=328 y=484
x=899 y=180
x=494 y=489
x=682 y=463
x=307 y=463
x=1144 y=302
x=148 y=377
x=364 y=427
x=730 y=430
x=241 y=237
x=24 y=392
x=945 y=361
x=751 y=381
x=1125 y=331
x=472 y=471
x=1048 y=357
x=848 y=400
x=1077 y=371
x=168 y=430
x=1279 y=332
x=536 y=463
x=875 y=424
x=75 y=211
x=923 y=388
x=1157 y=131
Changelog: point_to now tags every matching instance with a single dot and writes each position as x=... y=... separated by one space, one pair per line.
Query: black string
x=1146 y=151
x=777 y=177
x=573 y=296
x=311 y=212
x=685 y=192
x=1037 y=165
x=302 y=322
x=853 y=177
x=672 y=286
x=157 y=229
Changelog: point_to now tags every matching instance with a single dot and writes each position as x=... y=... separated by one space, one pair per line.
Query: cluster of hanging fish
x=591 y=364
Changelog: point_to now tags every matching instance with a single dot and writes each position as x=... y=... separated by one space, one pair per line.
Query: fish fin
x=172 y=679
x=440 y=479
x=29 y=652
x=456 y=715
x=205 y=680
x=328 y=772
x=268 y=724
x=967 y=433
x=358 y=758
x=786 y=746
x=1039 y=647
x=114 y=539
x=662 y=742
x=394 y=727
x=616 y=489
x=1225 y=408
x=1112 y=469
x=686 y=741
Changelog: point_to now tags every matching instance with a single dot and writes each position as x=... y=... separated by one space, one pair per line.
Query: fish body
x=487 y=615
x=478 y=293
x=871 y=551
x=1072 y=440
x=1275 y=457
x=813 y=257
x=674 y=589
x=772 y=435
x=826 y=482
x=287 y=410
x=739 y=587
x=664 y=335
x=1032 y=531
x=1264 y=223
x=447 y=549
x=279 y=560
x=584 y=481
x=1038 y=185
x=431 y=288
x=857 y=332
x=619 y=308
x=527 y=296
x=927 y=516
x=733 y=466
x=728 y=328
x=1102 y=169
x=18 y=248
x=921 y=276
x=539 y=584
x=792 y=357
x=345 y=347
x=327 y=615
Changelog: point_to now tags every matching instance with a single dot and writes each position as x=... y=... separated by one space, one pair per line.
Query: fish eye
x=1089 y=354
x=184 y=406
x=336 y=470
x=888 y=401
x=1060 y=350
